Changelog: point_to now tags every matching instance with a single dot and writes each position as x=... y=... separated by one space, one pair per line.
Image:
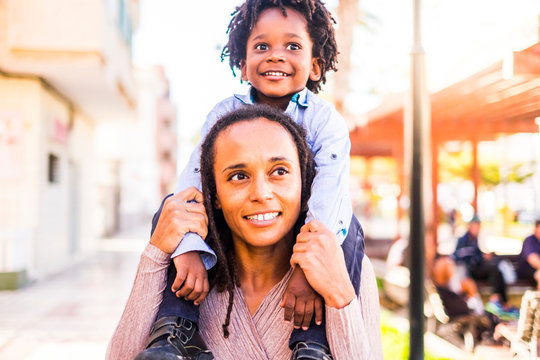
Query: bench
x=523 y=335
x=462 y=331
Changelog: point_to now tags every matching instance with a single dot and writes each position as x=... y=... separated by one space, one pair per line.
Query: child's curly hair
x=319 y=25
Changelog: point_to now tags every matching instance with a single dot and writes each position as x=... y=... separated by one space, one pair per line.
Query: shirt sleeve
x=354 y=332
x=330 y=202
x=133 y=329
x=191 y=176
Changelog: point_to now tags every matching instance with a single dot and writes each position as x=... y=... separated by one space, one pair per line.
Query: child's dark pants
x=353 y=249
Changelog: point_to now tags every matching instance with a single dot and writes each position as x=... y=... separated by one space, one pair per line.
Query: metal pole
x=417 y=230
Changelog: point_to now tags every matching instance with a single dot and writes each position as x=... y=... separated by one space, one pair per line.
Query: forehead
x=254 y=139
x=273 y=18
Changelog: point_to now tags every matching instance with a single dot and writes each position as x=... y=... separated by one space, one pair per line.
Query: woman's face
x=258 y=181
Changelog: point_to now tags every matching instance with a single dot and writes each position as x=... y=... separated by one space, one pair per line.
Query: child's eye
x=262 y=47
x=293 y=46
x=280 y=171
x=237 y=177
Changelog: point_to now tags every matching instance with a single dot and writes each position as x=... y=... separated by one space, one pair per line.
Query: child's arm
x=330 y=202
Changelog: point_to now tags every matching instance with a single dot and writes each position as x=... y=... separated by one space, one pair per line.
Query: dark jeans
x=353 y=249
x=489 y=270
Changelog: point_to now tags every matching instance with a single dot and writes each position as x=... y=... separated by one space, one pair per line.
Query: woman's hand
x=319 y=255
x=182 y=213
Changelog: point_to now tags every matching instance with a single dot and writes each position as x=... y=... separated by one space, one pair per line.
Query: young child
x=284 y=49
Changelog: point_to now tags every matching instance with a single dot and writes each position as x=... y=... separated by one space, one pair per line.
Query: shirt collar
x=301 y=97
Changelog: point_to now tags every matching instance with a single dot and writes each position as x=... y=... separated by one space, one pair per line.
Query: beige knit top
x=353 y=332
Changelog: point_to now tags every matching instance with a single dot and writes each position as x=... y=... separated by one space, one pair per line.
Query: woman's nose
x=260 y=189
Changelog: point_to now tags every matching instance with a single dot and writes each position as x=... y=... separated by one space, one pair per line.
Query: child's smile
x=279 y=58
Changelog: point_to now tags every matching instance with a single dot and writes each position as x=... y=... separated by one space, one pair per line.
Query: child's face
x=279 y=58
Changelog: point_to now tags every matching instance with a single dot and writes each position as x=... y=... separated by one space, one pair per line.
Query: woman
x=256 y=173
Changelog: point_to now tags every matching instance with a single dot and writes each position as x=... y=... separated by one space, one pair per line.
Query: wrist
x=341 y=296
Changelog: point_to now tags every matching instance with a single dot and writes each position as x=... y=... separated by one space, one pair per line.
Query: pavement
x=72 y=314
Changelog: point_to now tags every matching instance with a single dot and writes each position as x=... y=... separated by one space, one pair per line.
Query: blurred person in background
x=529 y=258
x=460 y=298
x=483 y=266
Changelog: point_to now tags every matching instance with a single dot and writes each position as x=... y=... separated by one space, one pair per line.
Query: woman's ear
x=315 y=73
x=217 y=203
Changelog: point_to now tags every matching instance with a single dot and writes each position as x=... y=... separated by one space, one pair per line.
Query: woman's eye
x=237 y=177
x=293 y=47
x=280 y=171
x=261 y=47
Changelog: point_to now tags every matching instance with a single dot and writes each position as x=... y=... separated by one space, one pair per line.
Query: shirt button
x=333 y=156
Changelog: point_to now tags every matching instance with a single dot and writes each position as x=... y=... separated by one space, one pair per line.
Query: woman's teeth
x=262 y=217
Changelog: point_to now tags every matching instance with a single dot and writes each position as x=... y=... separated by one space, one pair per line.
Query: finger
x=296 y=259
x=308 y=314
x=179 y=279
x=197 y=290
x=187 y=288
x=300 y=248
x=192 y=194
x=195 y=225
x=289 y=303
x=204 y=293
x=312 y=226
x=198 y=209
x=306 y=236
x=299 y=314
x=319 y=307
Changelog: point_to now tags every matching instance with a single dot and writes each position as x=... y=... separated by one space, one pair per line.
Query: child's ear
x=243 y=70
x=315 y=73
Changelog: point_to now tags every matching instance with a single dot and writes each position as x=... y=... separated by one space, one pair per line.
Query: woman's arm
x=181 y=213
x=132 y=332
x=348 y=328
x=350 y=320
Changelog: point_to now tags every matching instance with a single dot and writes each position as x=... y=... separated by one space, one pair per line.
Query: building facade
x=65 y=68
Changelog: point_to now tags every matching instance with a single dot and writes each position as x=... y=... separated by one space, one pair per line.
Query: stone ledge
x=12 y=280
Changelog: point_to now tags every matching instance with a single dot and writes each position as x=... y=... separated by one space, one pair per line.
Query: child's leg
x=172 y=305
x=353 y=250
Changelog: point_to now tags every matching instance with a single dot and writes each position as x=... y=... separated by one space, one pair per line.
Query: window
x=54 y=169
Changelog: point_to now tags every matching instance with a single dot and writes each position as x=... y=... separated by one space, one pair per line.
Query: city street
x=71 y=315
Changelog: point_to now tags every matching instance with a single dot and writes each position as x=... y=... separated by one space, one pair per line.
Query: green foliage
x=395 y=343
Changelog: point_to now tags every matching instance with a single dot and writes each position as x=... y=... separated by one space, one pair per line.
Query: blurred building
x=65 y=68
x=137 y=160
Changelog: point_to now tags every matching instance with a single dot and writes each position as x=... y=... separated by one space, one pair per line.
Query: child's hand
x=191 y=281
x=301 y=300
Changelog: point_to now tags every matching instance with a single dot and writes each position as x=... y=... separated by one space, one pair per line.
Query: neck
x=259 y=269
x=279 y=102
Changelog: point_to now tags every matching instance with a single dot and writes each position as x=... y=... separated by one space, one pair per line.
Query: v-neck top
x=353 y=332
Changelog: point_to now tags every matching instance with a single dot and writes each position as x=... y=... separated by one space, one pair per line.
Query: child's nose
x=276 y=55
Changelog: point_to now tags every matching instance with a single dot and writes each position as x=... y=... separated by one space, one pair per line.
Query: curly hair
x=319 y=25
x=224 y=275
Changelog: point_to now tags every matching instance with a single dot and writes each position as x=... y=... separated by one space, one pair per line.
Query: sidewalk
x=72 y=315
